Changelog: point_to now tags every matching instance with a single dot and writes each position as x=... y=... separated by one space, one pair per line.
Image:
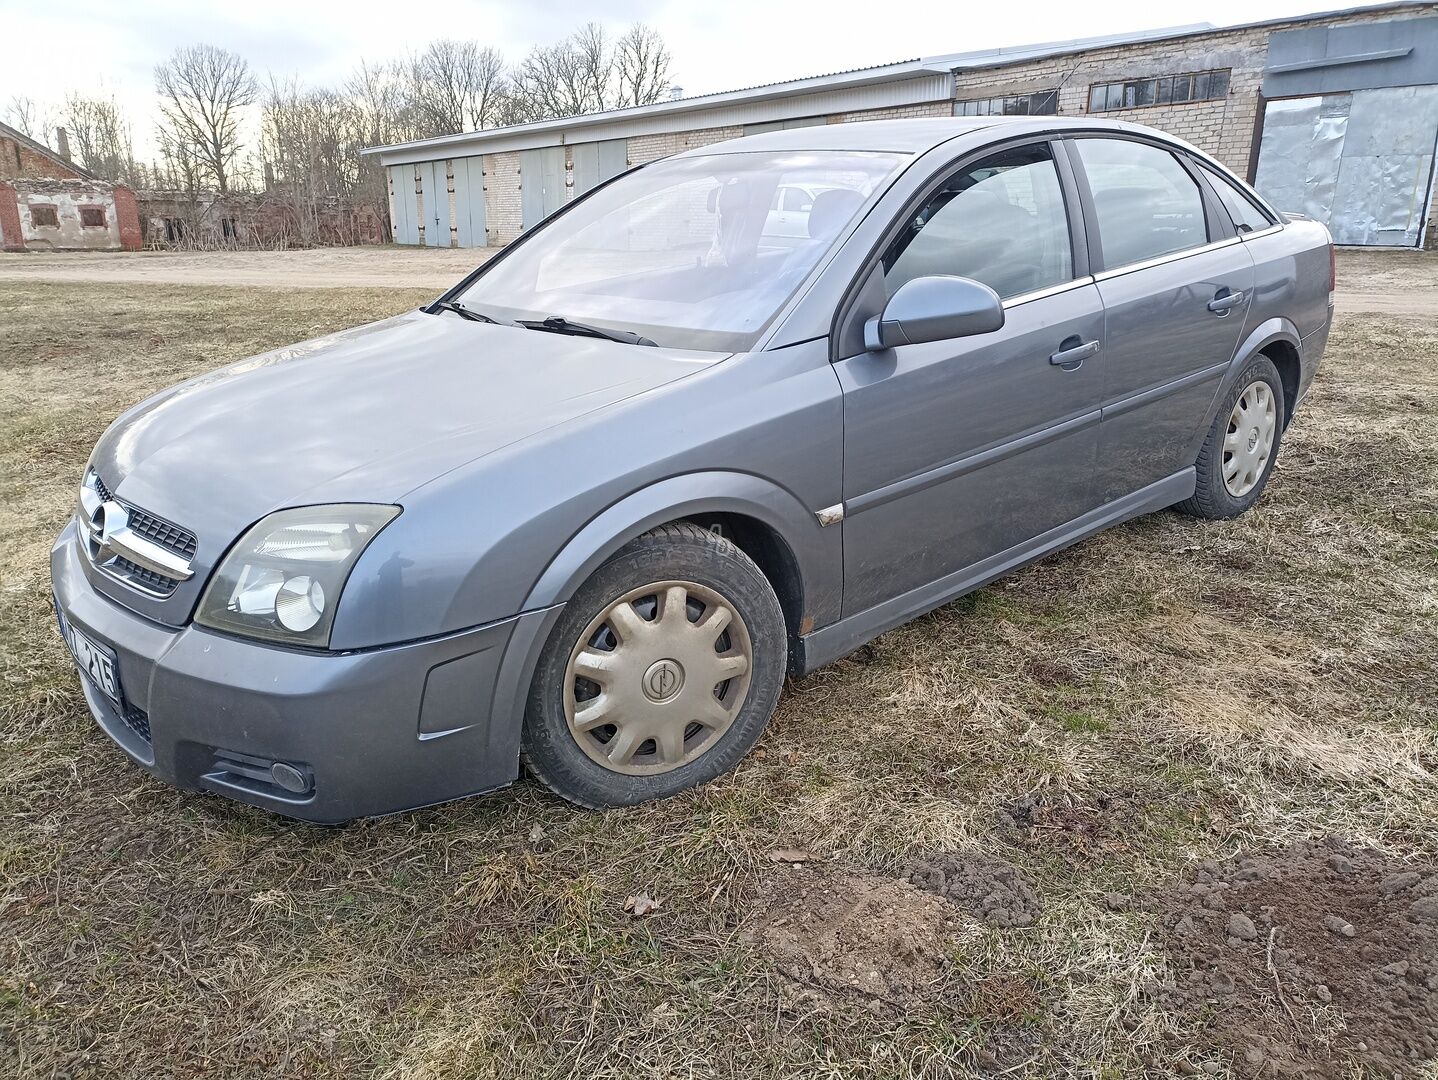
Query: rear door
x=1176 y=288
x=957 y=450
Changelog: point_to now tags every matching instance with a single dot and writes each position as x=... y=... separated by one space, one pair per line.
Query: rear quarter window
x=1246 y=214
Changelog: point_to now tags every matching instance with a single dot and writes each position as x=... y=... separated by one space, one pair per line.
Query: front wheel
x=660 y=674
x=1238 y=454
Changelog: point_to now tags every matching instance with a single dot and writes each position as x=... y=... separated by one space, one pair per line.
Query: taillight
x=1332 y=266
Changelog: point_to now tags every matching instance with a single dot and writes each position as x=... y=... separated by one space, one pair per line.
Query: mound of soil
x=850 y=935
x=1317 y=960
x=989 y=889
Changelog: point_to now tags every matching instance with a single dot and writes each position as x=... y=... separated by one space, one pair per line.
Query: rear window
x=1146 y=203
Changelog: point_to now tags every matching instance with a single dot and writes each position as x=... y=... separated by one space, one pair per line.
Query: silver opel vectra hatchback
x=588 y=508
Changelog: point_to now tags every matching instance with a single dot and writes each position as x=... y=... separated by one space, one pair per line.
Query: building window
x=1041 y=103
x=92 y=217
x=1164 y=90
x=44 y=217
x=228 y=228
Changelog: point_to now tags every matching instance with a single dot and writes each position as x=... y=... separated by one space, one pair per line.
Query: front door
x=1175 y=301
x=955 y=451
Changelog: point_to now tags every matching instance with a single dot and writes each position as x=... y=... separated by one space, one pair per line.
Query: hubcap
x=1247 y=446
x=657 y=678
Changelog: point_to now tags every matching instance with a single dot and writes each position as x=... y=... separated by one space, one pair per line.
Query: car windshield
x=692 y=252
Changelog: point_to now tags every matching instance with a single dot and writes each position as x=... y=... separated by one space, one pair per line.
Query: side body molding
x=1259 y=338
x=817 y=552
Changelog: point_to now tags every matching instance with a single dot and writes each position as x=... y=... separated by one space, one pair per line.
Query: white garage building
x=1333 y=114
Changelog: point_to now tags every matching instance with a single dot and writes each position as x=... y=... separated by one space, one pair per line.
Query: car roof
x=912 y=136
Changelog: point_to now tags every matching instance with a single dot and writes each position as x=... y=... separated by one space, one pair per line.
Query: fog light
x=289 y=778
x=300 y=603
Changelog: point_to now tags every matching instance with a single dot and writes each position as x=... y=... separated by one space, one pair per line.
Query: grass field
x=1169 y=692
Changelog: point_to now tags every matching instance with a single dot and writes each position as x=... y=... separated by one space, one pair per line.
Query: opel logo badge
x=663 y=680
x=109 y=519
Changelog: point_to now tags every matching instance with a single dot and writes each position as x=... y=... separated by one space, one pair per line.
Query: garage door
x=541 y=180
x=596 y=162
x=1360 y=162
x=402 y=205
x=469 y=201
x=434 y=197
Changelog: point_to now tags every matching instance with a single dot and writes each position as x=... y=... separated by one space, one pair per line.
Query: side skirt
x=839 y=638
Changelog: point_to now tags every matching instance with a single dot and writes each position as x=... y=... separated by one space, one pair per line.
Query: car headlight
x=282 y=581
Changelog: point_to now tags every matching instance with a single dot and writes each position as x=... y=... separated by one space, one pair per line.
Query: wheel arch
x=802 y=561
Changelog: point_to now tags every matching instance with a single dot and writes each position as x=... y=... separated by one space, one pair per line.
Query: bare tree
x=100 y=138
x=585 y=73
x=30 y=118
x=641 y=67
x=454 y=86
x=203 y=94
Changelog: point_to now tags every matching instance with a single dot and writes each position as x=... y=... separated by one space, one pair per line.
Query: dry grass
x=1169 y=691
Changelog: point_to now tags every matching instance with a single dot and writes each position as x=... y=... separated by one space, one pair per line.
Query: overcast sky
x=113 y=48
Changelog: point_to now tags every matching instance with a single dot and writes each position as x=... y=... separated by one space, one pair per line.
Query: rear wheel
x=661 y=673
x=1238 y=454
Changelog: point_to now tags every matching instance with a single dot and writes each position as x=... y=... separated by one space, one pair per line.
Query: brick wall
x=898 y=112
x=19 y=161
x=1223 y=128
x=12 y=238
x=643 y=148
x=127 y=217
x=503 y=214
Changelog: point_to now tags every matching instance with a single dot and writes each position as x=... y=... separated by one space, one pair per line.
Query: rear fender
x=1261 y=337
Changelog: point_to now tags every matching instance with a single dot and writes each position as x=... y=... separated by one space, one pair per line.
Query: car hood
x=364 y=415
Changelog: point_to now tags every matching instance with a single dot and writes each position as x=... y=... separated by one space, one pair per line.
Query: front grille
x=146 y=578
x=137 y=720
x=158 y=531
x=163 y=533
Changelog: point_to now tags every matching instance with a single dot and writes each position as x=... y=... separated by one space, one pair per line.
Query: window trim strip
x=1161 y=260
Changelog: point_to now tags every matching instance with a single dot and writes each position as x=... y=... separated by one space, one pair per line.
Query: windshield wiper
x=558 y=324
x=462 y=311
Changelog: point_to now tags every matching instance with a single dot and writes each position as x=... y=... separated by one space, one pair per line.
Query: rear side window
x=1246 y=215
x=1146 y=203
x=1001 y=221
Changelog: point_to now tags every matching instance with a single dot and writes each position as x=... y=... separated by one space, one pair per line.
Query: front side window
x=1002 y=222
x=687 y=252
x=1246 y=215
x=1146 y=203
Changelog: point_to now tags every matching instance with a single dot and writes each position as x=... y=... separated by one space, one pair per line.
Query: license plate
x=95 y=661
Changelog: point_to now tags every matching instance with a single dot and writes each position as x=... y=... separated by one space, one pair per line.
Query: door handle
x=1225 y=301
x=1073 y=351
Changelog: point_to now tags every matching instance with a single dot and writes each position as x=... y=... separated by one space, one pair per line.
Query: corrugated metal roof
x=492 y=140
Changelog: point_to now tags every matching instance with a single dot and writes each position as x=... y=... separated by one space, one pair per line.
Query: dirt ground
x=316 y=268
x=1165 y=804
x=1384 y=281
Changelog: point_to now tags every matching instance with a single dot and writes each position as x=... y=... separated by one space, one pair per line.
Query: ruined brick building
x=48 y=203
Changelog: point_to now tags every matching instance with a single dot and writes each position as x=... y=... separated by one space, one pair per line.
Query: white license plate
x=94 y=660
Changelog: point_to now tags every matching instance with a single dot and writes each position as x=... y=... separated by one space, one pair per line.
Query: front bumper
x=370 y=732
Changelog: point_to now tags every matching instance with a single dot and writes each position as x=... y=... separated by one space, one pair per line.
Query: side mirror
x=934 y=309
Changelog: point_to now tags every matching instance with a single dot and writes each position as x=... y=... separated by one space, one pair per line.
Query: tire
x=622 y=709
x=1234 y=465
